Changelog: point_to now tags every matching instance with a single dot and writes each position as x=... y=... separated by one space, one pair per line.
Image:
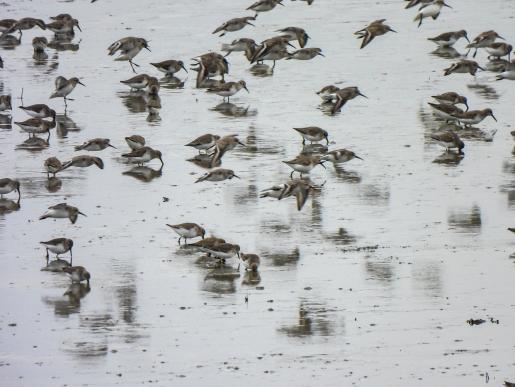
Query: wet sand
x=370 y=284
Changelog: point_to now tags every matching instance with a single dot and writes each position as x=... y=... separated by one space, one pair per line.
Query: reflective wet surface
x=370 y=284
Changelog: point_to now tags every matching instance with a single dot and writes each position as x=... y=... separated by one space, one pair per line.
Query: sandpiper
x=445 y=111
x=58 y=246
x=39 y=43
x=84 y=161
x=295 y=33
x=449 y=140
x=7 y=25
x=344 y=95
x=170 y=67
x=62 y=16
x=62 y=210
x=304 y=164
x=250 y=261
x=264 y=6
x=63 y=87
x=498 y=49
x=473 y=117
x=508 y=72
x=273 y=192
x=447 y=39
x=135 y=141
x=187 y=231
x=207 y=243
x=223 y=251
x=463 y=66
x=484 y=39
x=78 y=274
x=430 y=10
x=273 y=49
x=339 y=156
x=298 y=188
x=227 y=90
x=137 y=82
x=5 y=103
x=242 y=44
x=312 y=134
x=95 y=144
x=63 y=26
x=28 y=23
x=235 y=24
x=36 y=125
x=153 y=89
x=210 y=65
x=129 y=47
x=376 y=28
x=204 y=142
x=9 y=185
x=413 y=3
x=224 y=145
x=38 y=110
x=305 y=53
x=512 y=229
x=219 y=174
x=451 y=98
x=52 y=166
x=143 y=155
x=328 y=93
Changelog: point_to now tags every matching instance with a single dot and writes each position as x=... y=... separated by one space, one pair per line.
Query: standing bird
x=451 y=98
x=219 y=174
x=344 y=95
x=62 y=210
x=271 y=49
x=9 y=185
x=187 y=230
x=135 y=141
x=137 y=82
x=484 y=39
x=204 y=142
x=312 y=134
x=430 y=10
x=143 y=155
x=64 y=26
x=84 y=161
x=463 y=67
x=129 y=47
x=63 y=87
x=78 y=274
x=228 y=89
x=376 y=28
x=498 y=49
x=445 y=111
x=28 y=23
x=37 y=125
x=473 y=117
x=235 y=24
x=58 y=246
x=305 y=53
x=449 y=140
x=340 y=156
x=38 y=110
x=96 y=144
x=170 y=67
x=304 y=164
x=447 y=39
x=52 y=166
x=295 y=33
x=264 y=6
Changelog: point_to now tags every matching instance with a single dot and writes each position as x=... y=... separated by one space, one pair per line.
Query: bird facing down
x=187 y=231
x=135 y=141
x=449 y=140
x=62 y=210
x=78 y=274
x=298 y=188
x=295 y=33
x=451 y=98
x=143 y=155
x=52 y=166
x=224 y=145
x=463 y=66
x=95 y=144
x=250 y=261
x=219 y=174
x=9 y=185
x=344 y=95
x=84 y=161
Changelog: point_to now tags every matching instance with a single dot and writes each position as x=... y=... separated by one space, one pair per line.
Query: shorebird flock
x=212 y=68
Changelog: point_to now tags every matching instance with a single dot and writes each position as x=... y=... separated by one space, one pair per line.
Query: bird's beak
x=291 y=45
x=245 y=87
x=392 y=30
x=322 y=164
x=356 y=156
x=480 y=68
x=83 y=214
x=80 y=83
x=466 y=37
x=236 y=176
x=446 y=5
x=112 y=146
x=492 y=114
x=321 y=54
x=79 y=27
x=148 y=48
x=467 y=105
x=363 y=95
x=500 y=37
x=162 y=162
x=239 y=142
x=250 y=24
x=184 y=68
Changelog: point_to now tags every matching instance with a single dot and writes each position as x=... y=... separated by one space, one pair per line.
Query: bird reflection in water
x=221 y=280
x=5 y=121
x=34 y=143
x=135 y=102
x=231 y=110
x=467 y=221
x=63 y=42
x=143 y=173
x=447 y=53
x=485 y=91
x=154 y=107
x=65 y=124
x=70 y=302
x=261 y=70
x=312 y=320
x=283 y=259
x=314 y=149
x=53 y=184
x=171 y=82
x=449 y=158
x=7 y=205
x=341 y=237
x=9 y=42
x=379 y=270
x=205 y=161
x=251 y=278
x=345 y=175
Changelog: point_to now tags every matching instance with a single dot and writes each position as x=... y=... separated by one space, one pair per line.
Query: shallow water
x=372 y=282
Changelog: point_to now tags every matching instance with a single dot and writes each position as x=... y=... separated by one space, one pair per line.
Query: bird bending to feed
x=312 y=134
x=135 y=141
x=223 y=251
x=9 y=185
x=451 y=98
x=463 y=66
x=449 y=140
x=304 y=164
x=305 y=54
x=187 y=231
x=224 y=145
x=473 y=117
x=298 y=188
x=62 y=210
x=137 y=82
x=143 y=155
x=430 y=10
x=52 y=166
x=219 y=174
x=484 y=39
x=376 y=28
x=344 y=95
x=328 y=93
x=129 y=47
x=83 y=161
x=446 y=111
x=38 y=111
x=58 y=246
x=227 y=90
x=95 y=144
x=447 y=39
x=235 y=24
x=250 y=261
x=170 y=67
x=63 y=87
x=204 y=142
x=78 y=274
x=340 y=156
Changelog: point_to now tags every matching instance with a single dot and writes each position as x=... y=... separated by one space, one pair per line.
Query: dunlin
x=63 y=87
x=58 y=246
x=306 y=54
x=84 y=161
x=38 y=110
x=39 y=43
x=223 y=251
x=313 y=134
x=52 y=166
x=242 y=44
x=137 y=82
x=264 y=6
x=235 y=24
x=208 y=243
x=484 y=39
x=328 y=93
x=143 y=155
x=413 y=3
x=62 y=210
x=295 y=33
x=153 y=89
x=5 y=103
x=447 y=39
x=170 y=67
x=227 y=90
x=224 y=145
x=95 y=144
x=430 y=10
x=304 y=164
x=9 y=185
x=376 y=28
x=204 y=142
x=36 y=125
x=63 y=26
x=498 y=49
x=219 y=174
x=344 y=95
x=298 y=188
x=273 y=192
x=449 y=140
x=28 y=23
x=250 y=261
x=445 y=111
x=129 y=47
x=62 y=16
x=451 y=98
x=187 y=231
x=7 y=25
x=508 y=72
x=78 y=274
x=210 y=65
x=473 y=117
x=339 y=156
x=463 y=66
x=135 y=141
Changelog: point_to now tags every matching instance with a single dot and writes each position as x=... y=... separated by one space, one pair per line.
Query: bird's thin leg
x=71 y=257
x=179 y=240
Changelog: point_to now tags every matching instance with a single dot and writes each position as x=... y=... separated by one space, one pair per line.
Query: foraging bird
x=250 y=261
x=328 y=93
x=9 y=185
x=340 y=156
x=36 y=125
x=83 y=161
x=430 y=10
x=187 y=231
x=449 y=140
x=498 y=49
x=58 y=246
x=484 y=39
x=95 y=144
x=447 y=39
x=170 y=67
x=273 y=49
x=143 y=155
x=63 y=87
x=223 y=251
x=78 y=274
x=376 y=28
x=129 y=47
x=227 y=90
x=473 y=117
x=39 y=43
x=304 y=163
x=463 y=66
x=62 y=210
x=451 y=98
x=225 y=144
x=27 y=23
x=445 y=111
x=219 y=174
x=38 y=110
x=135 y=141
x=235 y=24
x=52 y=166
x=312 y=134
x=344 y=95
x=305 y=53
x=63 y=26
x=204 y=142
x=208 y=243
x=137 y=82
